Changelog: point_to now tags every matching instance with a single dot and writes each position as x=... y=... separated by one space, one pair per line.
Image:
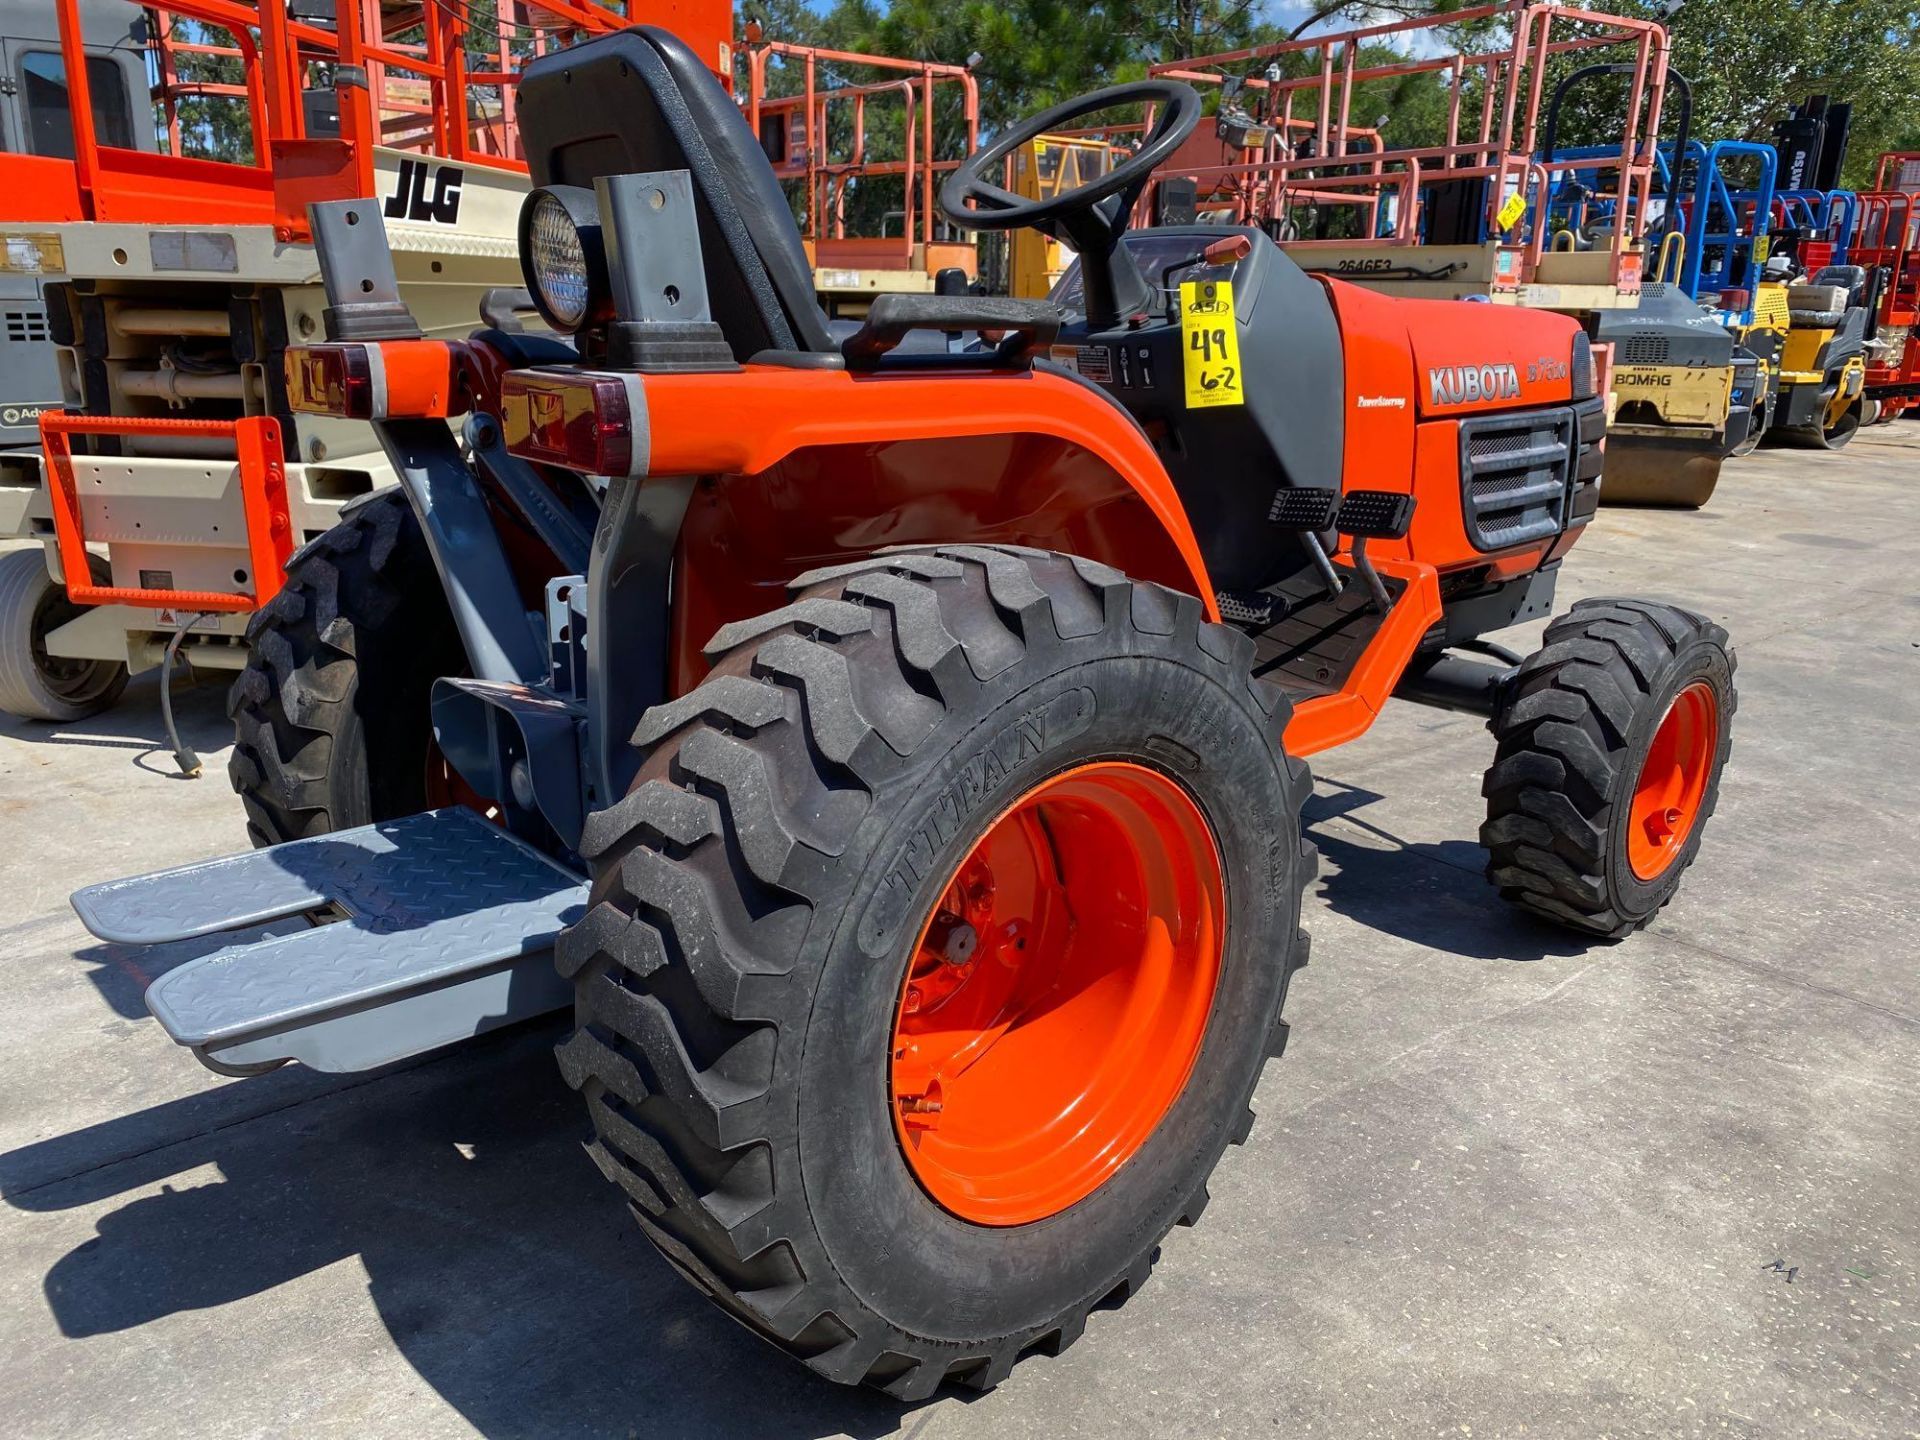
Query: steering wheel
x=994 y=208
x=1090 y=217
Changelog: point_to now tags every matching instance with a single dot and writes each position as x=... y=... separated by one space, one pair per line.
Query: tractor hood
x=1470 y=357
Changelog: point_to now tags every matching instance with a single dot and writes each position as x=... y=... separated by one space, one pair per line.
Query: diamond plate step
x=447 y=922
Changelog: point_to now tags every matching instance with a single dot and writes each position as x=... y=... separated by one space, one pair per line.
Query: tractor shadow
x=122 y=973
x=499 y=1260
x=1431 y=893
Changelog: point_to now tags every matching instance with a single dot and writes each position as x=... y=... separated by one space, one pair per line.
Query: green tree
x=211 y=127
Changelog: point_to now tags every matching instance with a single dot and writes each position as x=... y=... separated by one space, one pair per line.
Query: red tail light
x=343 y=380
x=578 y=420
x=383 y=380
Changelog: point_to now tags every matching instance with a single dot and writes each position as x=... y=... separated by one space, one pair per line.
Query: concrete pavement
x=1503 y=1183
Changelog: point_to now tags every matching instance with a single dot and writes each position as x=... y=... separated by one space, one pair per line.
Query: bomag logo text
x=1466 y=384
x=1627 y=379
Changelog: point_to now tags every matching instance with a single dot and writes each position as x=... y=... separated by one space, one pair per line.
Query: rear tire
x=758 y=891
x=33 y=684
x=1575 y=726
x=331 y=727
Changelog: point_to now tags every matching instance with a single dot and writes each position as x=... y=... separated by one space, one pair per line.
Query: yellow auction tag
x=1213 y=349
x=1512 y=209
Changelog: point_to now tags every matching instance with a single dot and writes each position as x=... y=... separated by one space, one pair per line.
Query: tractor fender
x=806 y=467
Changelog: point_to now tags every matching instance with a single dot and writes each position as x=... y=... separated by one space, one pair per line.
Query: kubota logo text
x=1462 y=384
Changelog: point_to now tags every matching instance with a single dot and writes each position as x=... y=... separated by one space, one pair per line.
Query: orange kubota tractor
x=899 y=741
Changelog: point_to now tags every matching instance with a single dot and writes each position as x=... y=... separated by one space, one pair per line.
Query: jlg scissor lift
x=1052 y=165
x=824 y=143
x=34 y=120
x=1887 y=239
x=178 y=480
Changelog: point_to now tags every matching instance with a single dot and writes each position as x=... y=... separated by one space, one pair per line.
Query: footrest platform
x=418 y=932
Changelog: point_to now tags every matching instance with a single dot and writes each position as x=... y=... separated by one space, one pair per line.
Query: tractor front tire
x=33 y=684
x=872 y=916
x=1612 y=737
x=330 y=716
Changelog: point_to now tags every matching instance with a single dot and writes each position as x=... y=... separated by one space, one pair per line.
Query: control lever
x=1226 y=250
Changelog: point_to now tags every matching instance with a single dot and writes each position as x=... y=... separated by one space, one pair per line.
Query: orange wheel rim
x=1057 y=997
x=1673 y=781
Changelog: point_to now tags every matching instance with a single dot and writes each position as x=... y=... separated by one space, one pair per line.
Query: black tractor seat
x=639 y=101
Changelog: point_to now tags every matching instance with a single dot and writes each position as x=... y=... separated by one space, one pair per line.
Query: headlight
x=560 y=255
x=1582 y=366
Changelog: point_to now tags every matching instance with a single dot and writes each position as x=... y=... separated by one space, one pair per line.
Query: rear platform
x=385 y=941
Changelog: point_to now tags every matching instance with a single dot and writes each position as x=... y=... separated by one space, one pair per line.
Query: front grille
x=27 y=326
x=1644 y=350
x=1516 y=474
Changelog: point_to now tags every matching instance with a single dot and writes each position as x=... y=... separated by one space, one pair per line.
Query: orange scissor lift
x=1887 y=237
x=1463 y=216
x=177 y=479
x=823 y=141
